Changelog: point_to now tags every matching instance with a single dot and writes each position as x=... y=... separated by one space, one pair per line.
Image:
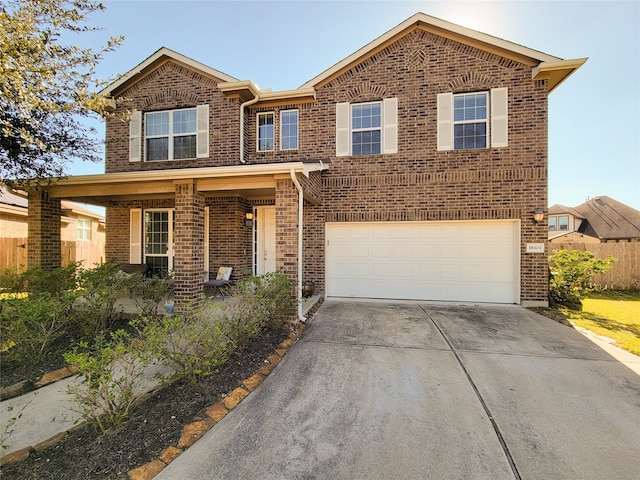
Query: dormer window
x=558 y=223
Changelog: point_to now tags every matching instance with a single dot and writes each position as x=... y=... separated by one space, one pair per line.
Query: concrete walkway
x=424 y=391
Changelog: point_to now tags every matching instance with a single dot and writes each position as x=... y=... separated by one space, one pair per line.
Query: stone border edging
x=192 y=432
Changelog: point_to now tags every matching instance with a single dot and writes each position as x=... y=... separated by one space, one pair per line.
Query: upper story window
x=170 y=134
x=559 y=223
x=366 y=124
x=265 y=132
x=472 y=120
x=84 y=229
x=369 y=128
x=289 y=129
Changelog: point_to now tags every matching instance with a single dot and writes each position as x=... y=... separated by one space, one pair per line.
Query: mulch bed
x=152 y=427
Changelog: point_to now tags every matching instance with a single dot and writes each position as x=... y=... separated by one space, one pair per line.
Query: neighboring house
x=408 y=170
x=78 y=226
x=598 y=220
x=564 y=226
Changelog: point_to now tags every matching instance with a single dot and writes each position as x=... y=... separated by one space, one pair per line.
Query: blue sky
x=594 y=117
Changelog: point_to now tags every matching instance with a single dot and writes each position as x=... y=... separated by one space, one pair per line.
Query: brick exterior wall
x=44 y=230
x=188 y=250
x=418 y=183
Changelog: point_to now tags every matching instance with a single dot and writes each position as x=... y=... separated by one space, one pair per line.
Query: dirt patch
x=152 y=427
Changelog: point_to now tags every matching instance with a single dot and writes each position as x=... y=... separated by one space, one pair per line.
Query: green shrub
x=571 y=274
x=194 y=346
x=36 y=280
x=110 y=370
x=101 y=287
x=147 y=293
x=31 y=325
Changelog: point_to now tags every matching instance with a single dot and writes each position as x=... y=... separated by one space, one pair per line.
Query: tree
x=46 y=88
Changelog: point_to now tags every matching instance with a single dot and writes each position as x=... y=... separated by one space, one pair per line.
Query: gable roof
x=553 y=69
x=609 y=219
x=558 y=209
x=160 y=56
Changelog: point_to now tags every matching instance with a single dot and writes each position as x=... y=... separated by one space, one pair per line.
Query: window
x=289 y=130
x=84 y=229
x=558 y=223
x=158 y=241
x=563 y=222
x=472 y=120
x=367 y=128
x=171 y=135
x=265 y=132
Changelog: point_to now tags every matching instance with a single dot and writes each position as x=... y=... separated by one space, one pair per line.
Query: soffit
x=249 y=181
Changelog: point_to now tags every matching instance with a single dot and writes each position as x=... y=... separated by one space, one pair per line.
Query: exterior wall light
x=248 y=219
x=538 y=216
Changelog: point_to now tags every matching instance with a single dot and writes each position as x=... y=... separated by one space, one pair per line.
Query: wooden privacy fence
x=13 y=252
x=624 y=273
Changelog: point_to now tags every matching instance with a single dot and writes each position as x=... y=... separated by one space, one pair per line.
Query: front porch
x=189 y=222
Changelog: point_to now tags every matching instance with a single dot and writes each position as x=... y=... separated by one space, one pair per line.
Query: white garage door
x=452 y=261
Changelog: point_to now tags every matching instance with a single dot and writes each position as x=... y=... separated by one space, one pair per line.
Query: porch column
x=287 y=228
x=188 y=261
x=44 y=247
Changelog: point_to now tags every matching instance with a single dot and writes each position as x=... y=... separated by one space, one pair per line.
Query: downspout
x=301 y=317
x=242 y=106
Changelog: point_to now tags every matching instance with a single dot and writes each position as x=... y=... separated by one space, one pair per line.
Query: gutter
x=242 y=107
x=295 y=181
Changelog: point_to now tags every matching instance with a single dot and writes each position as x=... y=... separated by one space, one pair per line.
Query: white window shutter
x=206 y=244
x=343 y=140
x=499 y=117
x=202 y=137
x=445 y=121
x=390 y=125
x=135 y=235
x=135 y=136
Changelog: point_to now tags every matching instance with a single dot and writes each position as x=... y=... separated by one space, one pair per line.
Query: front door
x=265 y=245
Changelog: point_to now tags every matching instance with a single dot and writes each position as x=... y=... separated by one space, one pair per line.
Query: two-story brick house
x=408 y=170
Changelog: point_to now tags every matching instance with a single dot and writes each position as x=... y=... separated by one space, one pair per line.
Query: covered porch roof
x=249 y=181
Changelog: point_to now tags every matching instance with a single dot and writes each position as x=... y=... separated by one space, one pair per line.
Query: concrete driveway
x=424 y=391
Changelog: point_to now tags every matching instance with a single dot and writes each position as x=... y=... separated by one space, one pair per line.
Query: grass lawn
x=614 y=314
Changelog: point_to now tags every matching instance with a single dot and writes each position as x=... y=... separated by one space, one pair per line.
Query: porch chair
x=223 y=280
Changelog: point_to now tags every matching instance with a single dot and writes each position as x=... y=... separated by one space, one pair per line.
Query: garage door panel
x=450 y=261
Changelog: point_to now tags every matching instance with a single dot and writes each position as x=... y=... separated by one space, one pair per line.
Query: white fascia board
x=437 y=23
x=194 y=173
x=165 y=52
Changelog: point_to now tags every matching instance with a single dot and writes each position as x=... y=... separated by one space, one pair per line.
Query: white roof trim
x=194 y=173
x=165 y=52
x=438 y=23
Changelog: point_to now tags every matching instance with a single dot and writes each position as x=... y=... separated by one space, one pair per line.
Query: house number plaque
x=535 y=247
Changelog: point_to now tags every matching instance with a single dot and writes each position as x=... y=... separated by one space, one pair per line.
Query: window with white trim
x=472 y=120
x=84 y=229
x=266 y=132
x=170 y=135
x=368 y=128
x=289 y=129
x=558 y=223
x=180 y=134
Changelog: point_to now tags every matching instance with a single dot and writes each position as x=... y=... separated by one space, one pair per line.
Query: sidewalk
x=40 y=418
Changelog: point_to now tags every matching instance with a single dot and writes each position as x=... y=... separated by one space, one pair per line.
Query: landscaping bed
x=152 y=426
